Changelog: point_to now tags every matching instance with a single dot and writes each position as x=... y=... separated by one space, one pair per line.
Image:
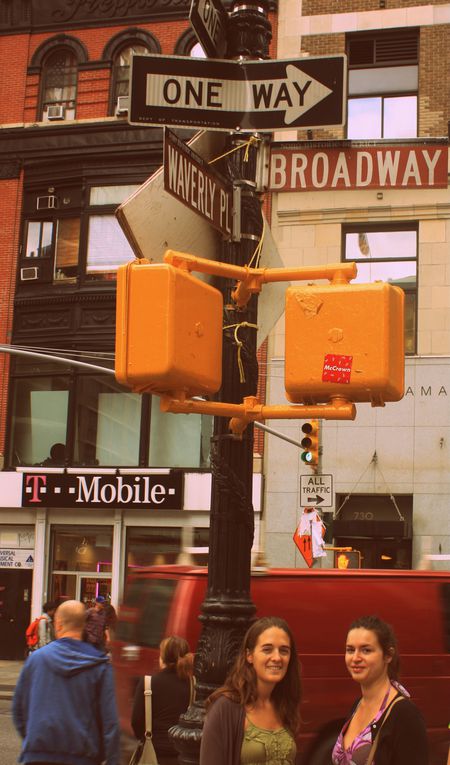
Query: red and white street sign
x=296 y=167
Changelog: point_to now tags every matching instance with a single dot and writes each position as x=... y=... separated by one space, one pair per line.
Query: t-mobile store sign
x=295 y=167
x=155 y=491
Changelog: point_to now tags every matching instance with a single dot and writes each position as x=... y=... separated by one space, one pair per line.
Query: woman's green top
x=267 y=747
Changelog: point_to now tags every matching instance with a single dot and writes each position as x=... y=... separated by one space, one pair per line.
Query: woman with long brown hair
x=254 y=716
x=384 y=726
x=171 y=692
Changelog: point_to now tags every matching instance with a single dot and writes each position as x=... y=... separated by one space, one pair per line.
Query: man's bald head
x=70 y=618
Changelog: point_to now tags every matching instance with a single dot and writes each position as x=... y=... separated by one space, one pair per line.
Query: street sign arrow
x=230 y=95
x=315 y=500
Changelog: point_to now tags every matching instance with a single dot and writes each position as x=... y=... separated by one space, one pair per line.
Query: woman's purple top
x=358 y=751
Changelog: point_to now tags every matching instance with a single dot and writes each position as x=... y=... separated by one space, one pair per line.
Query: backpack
x=32 y=633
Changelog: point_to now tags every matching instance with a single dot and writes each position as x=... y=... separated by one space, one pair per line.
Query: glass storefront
x=81 y=564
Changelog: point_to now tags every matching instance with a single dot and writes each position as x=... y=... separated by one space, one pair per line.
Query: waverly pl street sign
x=231 y=95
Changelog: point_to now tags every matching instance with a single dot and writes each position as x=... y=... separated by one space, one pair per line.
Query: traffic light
x=168 y=330
x=344 y=340
x=310 y=444
x=344 y=559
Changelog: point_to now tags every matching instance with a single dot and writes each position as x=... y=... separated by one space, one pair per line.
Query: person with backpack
x=46 y=631
x=40 y=631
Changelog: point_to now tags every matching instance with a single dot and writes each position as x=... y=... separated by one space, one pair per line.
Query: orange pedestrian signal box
x=347 y=559
x=168 y=330
x=344 y=340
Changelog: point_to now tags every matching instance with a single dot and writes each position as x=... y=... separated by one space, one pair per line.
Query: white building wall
x=411 y=438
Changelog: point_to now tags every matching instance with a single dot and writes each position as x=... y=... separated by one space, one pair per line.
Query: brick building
x=337 y=197
x=95 y=479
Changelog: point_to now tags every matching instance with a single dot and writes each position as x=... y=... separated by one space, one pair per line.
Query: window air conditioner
x=47 y=203
x=122 y=105
x=29 y=273
x=56 y=112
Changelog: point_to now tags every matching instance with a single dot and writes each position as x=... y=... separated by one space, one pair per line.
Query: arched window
x=188 y=45
x=121 y=74
x=59 y=85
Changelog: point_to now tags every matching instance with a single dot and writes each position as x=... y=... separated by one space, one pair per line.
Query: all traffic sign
x=316 y=490
x=234 y=95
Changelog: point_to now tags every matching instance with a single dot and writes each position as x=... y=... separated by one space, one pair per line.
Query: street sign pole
x=227 y=610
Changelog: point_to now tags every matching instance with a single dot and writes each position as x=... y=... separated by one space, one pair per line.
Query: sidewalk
x=9 y=672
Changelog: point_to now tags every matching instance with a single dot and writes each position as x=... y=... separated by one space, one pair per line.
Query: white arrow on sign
x=294 y=94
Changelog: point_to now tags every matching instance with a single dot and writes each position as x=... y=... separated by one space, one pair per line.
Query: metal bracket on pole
x=262 y=166
x=236 y=214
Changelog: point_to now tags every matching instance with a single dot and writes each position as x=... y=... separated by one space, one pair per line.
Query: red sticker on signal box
x=337 y=369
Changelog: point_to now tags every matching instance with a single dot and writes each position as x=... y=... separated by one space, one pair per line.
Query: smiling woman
x=253 y=718
x=383 y=720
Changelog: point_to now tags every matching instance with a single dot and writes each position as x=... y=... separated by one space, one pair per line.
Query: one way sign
x=231 y=95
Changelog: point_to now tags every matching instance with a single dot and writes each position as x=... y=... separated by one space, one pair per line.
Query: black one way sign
x=231 y=95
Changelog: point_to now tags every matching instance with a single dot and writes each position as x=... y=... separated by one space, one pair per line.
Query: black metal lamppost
x=227 y=609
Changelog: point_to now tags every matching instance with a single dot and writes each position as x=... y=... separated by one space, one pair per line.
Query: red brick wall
x=13 y=64
x=10 y=206
x=19 y=94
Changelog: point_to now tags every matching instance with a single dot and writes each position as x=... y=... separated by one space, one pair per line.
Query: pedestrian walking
x=95 y=631
x=384 y=726
x=46 y=630
x=254 y=716
x=64 y=705
x=171 y=693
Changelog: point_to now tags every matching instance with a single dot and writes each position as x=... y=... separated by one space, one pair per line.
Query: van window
x=151 y=598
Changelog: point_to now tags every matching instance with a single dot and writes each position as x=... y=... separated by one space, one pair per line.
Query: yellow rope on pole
x=258 y=248
x=253 y=139
x=239 y=344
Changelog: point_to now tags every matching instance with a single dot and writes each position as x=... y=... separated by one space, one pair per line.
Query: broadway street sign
x=231 y=95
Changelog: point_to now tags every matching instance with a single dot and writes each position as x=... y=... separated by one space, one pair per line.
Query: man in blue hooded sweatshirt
x=64 y=704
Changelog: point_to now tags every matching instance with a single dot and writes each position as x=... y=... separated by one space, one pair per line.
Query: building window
x=54 y=251
x=107 y=247
x=121 y=73
x=81 y=564
x=388 y=254
x=188 y=45
x=40 y=408
x=107 y=423
x=383 y=85
x=73 y=418
x=179 y=440
x=51 y=250
x=59 y=86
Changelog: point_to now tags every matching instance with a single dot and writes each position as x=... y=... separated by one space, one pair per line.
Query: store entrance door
x=15 y=607
x=90 y=587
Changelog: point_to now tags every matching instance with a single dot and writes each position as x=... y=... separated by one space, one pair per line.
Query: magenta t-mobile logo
x=37 y=487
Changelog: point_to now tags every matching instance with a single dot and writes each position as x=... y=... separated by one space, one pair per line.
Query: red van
x=319 y=605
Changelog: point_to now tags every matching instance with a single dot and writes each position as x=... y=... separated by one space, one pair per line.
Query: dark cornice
x=107 y=295
x=110 y=139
